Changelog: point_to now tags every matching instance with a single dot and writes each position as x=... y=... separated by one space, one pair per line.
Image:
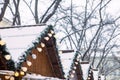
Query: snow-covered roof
x=85 y=69
x=66 y=61
x=18 y=40
x=95 y=74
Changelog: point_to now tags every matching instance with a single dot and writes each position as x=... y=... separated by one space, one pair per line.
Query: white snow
x=102 y=77
x=66 y=61
x=95 y=74
x=19 y=40
x=85 y=70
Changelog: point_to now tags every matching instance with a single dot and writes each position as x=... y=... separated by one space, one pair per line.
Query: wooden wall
x=40 y=65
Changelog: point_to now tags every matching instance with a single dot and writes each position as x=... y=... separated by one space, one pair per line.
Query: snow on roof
x=66 y=61
x=102 y=77
x=95 y=74
x=85 y=70
x=39 y=77
x=19 y=39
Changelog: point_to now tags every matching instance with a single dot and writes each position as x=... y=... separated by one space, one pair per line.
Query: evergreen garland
x=3 y=51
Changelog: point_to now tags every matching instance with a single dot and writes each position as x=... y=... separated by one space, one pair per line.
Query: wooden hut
x=47 y=62
x=75 y=72
x=41 y=56
x=6 y=63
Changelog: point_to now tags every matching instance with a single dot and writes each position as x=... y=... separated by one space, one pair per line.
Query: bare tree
x=3 y=9
x=90 y=30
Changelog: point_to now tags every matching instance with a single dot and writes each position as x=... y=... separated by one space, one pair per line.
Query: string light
x=16 y=74
x=12 y=78
x=24 y=69
x=52 y=31
x=49 y=34
x=46 y=38
x=7 y=57
x=39 y=49
x=29 y=63
x=2 y=43
x=22 y=73
x=74 y=67
x=34 y=56
x=73 y=71
x=42 y=44
x=76 y=63
x=7 y=77
x=72 y=75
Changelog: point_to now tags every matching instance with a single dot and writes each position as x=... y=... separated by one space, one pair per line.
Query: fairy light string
x=22 y=70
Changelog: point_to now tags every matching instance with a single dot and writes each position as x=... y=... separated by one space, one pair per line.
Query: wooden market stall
x=40 y=56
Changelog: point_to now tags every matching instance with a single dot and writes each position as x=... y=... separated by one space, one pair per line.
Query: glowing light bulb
x=22 y=73
x=34 y=56
x=42 y=44
x=7 y=77
x=12 y=78
x=74 y=67
x=72 y=75
x=76 y=63
x=16 y=74
x=7 y=57
x=2 y=43
x=52 y=31
x=73 y=71
x=29 y=63
x=46 y=38
x=24 y=69
x=39 y=49
x=49 y=34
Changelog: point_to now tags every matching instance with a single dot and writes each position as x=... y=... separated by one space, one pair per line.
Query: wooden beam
x=20 y=26
x=66 y=51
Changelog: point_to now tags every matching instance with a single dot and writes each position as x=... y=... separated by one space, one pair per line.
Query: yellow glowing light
x=7 y=57
x=12 y=78
x=49 y=34
x=42 y=44
x=29 y=63
x=7 y=77
x=46 y=38
x=16 y=74
x=39 y=49
x=2 y=43
x=24 y=69
x=22 y=73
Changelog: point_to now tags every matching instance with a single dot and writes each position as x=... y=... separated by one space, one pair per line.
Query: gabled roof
x=75 y=72
x=20 y=41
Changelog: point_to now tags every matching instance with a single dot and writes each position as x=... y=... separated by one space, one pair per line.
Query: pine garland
x=3 y=51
